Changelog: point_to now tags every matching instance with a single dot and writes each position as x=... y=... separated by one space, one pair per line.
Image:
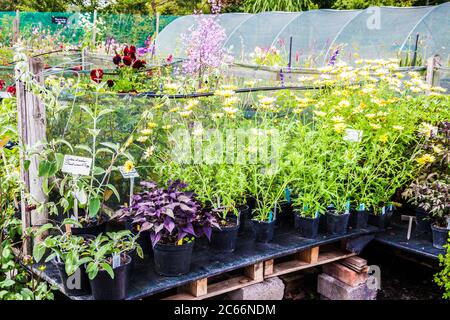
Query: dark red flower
x=132 y=49
x=2 y=84
x=127 y=61
x=110 y=83
x=169 y=59
x=126 y=51
x=117 y=59
x=97 y=75
x=11 y=90
x=138 y=64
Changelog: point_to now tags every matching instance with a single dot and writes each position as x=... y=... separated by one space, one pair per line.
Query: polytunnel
x=376 y=32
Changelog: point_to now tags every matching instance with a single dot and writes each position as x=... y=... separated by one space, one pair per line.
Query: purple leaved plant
x=169 y=214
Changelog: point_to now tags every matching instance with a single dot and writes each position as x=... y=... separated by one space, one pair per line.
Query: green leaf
x=59 y=160
x=108 y=269
x=104 y=112
x=72 y=221
x=38 y=251
x=111 y=145
x=113 y=189
x=7 y=283
x=98 y=171
x=94 y=207
x=26 y=164
x=44 y=167
x=84 y=147
x=44 y=228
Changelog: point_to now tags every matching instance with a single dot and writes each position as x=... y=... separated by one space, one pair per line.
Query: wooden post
x=432 y=63
x=94 y=29
x=32 y=127
x=157 y=24
x=16 y=27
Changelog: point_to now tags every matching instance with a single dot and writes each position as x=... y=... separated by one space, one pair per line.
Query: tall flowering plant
x=204 y=44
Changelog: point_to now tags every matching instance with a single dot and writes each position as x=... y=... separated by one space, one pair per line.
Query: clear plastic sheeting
x=373 y=33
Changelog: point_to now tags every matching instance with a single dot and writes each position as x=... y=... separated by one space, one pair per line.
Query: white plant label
x=129 y=175
x=81 y=196
x=116 y=261
x=77 y=165
x=4 y=95
x=353 y=135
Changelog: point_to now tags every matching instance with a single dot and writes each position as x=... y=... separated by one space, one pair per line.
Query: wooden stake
x=16 y=27
x=94 y=29
x=432 y=63
x=32 y=129
x=157 y=24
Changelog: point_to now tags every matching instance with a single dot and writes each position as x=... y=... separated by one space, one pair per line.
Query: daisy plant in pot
x=267 y=190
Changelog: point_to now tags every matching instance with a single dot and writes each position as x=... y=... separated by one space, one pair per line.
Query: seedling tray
x=145 y=282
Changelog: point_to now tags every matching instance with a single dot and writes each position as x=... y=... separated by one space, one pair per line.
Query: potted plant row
x=86 y=264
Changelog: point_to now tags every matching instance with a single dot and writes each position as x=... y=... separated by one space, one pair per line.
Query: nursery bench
x=420 y=244
x=213 y=274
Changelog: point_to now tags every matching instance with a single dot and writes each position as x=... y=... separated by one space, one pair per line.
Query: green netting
x=124 y=28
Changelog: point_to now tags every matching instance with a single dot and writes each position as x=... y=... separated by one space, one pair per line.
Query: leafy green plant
x=442 y=278
x=101 y=251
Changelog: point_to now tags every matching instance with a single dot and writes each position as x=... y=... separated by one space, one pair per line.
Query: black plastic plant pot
x=142 y=240
x=94 y=229
x=337 y=223
x=440 y=236
x=263 y=230
x=306 y=226
x=358 y=219
x=244 y=217
x=286 y=216
x=382 y=221
x=105 y=288
x=423 y=223
x=76 y=284
x=323 y=223
x=173 y=260
x=224 y=239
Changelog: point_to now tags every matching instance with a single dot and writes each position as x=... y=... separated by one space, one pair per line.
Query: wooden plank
x=310 y=255
x=345 y=274
x=255 y=271
x=218 y=288
x=198 y=288
x=296 y=265
x=268 y=267
x=356 y=261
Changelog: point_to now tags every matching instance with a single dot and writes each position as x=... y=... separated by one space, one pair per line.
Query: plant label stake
x=287 y=195
x=410 y=219
x=76 y=166
x=353 y=135
x=116 y=261
x=132 y=174
x=274 y=213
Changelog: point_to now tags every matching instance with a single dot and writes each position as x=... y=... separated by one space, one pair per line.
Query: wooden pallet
x=305 y=259
x=258 y=272
x=202 y=289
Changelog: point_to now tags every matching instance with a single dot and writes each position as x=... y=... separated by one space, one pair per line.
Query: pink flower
x=169 y=59
x=2 y=84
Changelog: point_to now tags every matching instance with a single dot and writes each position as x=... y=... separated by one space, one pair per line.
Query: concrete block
x=270 y=289
x=335 y=289
x=344 y=274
